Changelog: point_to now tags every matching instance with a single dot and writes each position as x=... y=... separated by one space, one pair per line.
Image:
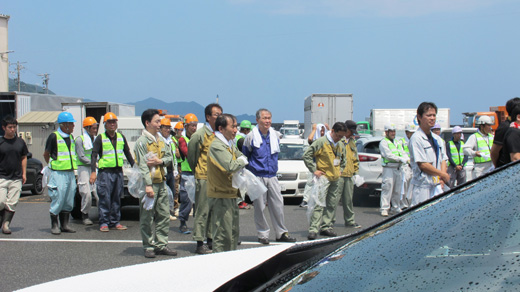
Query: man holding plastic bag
x=224 y=159
x=261 y=147
x=152 y=155
x=325 y=157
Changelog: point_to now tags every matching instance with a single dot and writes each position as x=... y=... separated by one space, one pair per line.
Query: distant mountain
x=174 y=108
x=24 y=87
x=180 y=108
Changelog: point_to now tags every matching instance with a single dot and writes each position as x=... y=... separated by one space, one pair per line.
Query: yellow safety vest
x=185 y=166
x=65 y=158
x=112 y=157
x=456 y=155
x=394 y=150
x=483 y=147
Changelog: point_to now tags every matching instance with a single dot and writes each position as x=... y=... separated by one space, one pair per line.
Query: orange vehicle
x=498 y=114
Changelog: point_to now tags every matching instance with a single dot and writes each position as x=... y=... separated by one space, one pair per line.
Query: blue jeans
x=109 y=189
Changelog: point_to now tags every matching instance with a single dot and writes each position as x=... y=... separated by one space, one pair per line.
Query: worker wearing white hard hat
x=406 y=173
x=456 y=158
x=479 y=145
x=393 y=158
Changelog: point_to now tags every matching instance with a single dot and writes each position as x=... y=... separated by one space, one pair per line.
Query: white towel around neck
x=257 y=139
x=87 y=141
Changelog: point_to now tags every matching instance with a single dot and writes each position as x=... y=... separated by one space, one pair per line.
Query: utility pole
x=19 y=68
x=45 y=82
x=217 y=98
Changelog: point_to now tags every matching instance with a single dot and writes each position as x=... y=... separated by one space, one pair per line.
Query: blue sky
x=460 y=54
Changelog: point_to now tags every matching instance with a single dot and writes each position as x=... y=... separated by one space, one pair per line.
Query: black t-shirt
x=11 y=153
x=511 y=144
x=51 y=145
x=500 y=133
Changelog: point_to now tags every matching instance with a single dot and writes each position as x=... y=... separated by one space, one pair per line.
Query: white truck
x=327 y=108
x=401 y=117
x=291 y=129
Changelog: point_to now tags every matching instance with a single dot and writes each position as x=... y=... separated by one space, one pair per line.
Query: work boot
x=7 y=218
x=55 y=227
x=85 y=219
x=64 y=221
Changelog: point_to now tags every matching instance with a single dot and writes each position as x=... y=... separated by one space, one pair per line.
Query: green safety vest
x=185 y=166
x=394 y=150
x=88 y=153
x=456 y=155
x=404 y=146
x=111 y=157
x=483 y=147
x=66 y=158
x=238 y=137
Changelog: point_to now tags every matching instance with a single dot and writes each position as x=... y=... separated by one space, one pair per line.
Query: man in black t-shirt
x=498 y=155
x=13 y=163
x=512 y=137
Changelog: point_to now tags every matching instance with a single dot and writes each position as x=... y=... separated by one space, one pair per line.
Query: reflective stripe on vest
x=394 y=150
x=65 y=158
x=185 y=166
x=404 y=146
x=456 y=154
x=88 y=153
x=110 y=156
x=483 y=147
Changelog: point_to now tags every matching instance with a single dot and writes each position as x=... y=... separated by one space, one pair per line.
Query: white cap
x=436 y=126
x=484 y=120
x=456 y=129
x=410 y=128
x=390 y=127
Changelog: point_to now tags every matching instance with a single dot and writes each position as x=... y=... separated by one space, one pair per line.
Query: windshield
x=291 y=132
x=291 y=151
x=468 y=240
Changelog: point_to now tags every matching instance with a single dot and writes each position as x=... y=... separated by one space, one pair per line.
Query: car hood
x=291 y=166
x=145 y=277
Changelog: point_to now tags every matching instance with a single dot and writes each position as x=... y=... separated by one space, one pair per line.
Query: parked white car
x=370 y=167
x=292 y=173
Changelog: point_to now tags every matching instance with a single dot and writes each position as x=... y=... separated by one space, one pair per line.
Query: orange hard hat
x=89 y=121
x=110 y=116
x=166 y=122
x=190 y=118
x=179 y=125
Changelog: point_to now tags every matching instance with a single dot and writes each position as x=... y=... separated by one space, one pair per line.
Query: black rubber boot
x=64 y=222
x=55 y=227
x=6 y=220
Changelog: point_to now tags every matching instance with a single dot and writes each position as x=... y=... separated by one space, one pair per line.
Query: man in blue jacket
x=261 y=147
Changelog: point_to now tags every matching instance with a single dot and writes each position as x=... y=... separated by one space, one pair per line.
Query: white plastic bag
x=358 y=180
x=46 y=171
x=238 y=181
x=255 y=187
x=189 y=185
x=318 y=194
x=150 y=155
x=136 y=185
x=170 y=196
x=148 y=203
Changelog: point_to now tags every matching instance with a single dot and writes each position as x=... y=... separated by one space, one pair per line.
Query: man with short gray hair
x=261 y=147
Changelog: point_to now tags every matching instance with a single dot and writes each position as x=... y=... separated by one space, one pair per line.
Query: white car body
x=292 y=173
x=370 y=166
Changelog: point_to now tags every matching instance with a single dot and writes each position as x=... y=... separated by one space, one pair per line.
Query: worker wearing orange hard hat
x=84 y=144
x=171 y=170
x=109 y=147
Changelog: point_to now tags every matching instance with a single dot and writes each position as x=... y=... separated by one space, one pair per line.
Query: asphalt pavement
x=32 y=255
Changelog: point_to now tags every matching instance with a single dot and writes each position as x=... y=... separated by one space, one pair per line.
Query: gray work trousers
x=274 y=200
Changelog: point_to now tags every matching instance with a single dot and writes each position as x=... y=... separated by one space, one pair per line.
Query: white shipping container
x=401 y=117
x=327 y=108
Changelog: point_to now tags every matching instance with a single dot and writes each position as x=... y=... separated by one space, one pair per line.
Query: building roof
x=35 y=117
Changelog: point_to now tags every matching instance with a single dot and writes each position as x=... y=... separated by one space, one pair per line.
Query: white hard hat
x=456 y=129
x=482 y=120
x=436 y=126
x=390 y=127
x=410 y=128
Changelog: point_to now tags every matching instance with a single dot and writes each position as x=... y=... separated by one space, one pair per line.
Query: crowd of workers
x=415 y=168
